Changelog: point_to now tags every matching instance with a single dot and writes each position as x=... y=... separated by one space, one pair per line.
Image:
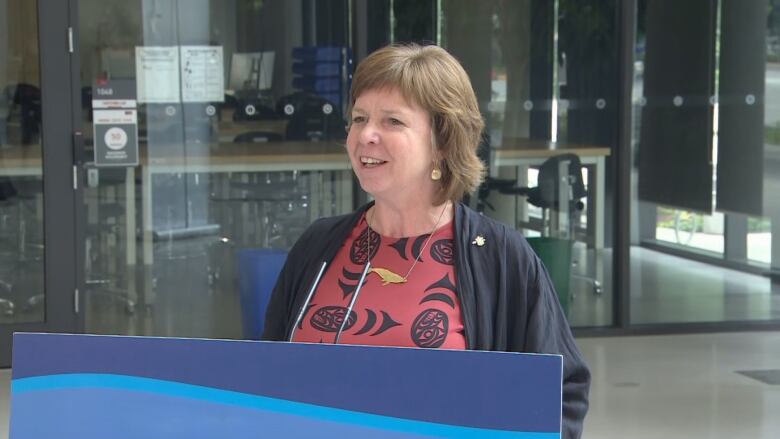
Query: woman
x=416 y=267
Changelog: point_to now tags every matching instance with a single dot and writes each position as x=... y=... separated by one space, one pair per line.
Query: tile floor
x=682 y=386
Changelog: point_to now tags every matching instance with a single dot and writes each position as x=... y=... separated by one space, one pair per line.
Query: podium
x=90 y=386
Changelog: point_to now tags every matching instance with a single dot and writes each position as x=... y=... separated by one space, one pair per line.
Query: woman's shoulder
x=477 y=224
x=500 y=242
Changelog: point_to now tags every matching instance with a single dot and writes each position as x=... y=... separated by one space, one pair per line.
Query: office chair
x=549 y=194
x=560 y=189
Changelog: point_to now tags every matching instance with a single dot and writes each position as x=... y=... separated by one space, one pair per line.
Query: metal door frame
x=61 y=106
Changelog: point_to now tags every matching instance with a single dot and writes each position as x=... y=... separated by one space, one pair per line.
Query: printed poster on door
x=116 y=137
x=115 y=123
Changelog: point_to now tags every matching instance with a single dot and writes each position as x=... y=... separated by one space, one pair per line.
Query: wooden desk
x=224 y=157
x=252 y=157
x=527 y=152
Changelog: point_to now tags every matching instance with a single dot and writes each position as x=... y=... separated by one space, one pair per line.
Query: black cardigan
x=506 y=296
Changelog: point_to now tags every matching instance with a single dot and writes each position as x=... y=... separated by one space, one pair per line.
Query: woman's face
x=389 y=145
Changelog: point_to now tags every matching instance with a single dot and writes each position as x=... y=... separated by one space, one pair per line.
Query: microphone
x=352 y=302
x=308 y=299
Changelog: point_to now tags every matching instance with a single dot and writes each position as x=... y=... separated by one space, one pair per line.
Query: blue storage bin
x=324 y=69
x=317 y=53
x=258 y=269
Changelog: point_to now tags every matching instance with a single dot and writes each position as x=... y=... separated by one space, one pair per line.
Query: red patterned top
x=424 y=311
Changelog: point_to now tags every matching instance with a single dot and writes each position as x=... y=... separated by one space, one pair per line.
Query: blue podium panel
x=90 y=386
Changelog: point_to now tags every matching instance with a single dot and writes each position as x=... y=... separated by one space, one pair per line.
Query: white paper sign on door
x=202 y=74
x=157 y=74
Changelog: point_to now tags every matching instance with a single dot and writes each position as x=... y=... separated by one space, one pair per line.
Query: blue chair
x=258 y=269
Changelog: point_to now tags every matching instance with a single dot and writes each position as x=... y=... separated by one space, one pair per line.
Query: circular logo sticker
x=289 y=109
x=116 y=138
x=327 y=108
x=678 y=101
x=750 y=99
x=211 y=110
x=601 y=103
x=170 y=110
x=528 y=105
x=250 y=110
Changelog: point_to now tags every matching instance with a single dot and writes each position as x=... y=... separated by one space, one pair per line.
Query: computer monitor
x=253 y=70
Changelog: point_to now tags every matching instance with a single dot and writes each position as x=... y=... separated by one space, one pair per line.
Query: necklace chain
x=386 y=274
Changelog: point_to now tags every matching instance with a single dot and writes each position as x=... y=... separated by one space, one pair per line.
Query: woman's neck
x=413 y=219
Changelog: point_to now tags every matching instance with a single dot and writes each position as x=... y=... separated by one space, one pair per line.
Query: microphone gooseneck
x=352 y=302
x=306 y=303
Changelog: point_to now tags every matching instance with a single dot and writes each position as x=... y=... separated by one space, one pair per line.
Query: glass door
x=37 y=275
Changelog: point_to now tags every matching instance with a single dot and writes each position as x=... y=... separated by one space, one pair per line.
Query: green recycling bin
x=555 y=253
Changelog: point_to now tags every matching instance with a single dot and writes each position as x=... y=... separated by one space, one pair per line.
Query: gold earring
x=436 y=173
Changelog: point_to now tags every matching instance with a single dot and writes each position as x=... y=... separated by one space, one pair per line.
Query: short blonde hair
x=433 y=79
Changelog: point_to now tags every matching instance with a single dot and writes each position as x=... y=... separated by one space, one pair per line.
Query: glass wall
x=705 y=162
x=237 y=114
x=236 y=110
x=21 y=188
x=545 y=75
x=213 y=132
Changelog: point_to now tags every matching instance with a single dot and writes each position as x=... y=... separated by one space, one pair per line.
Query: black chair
x=560 y=189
